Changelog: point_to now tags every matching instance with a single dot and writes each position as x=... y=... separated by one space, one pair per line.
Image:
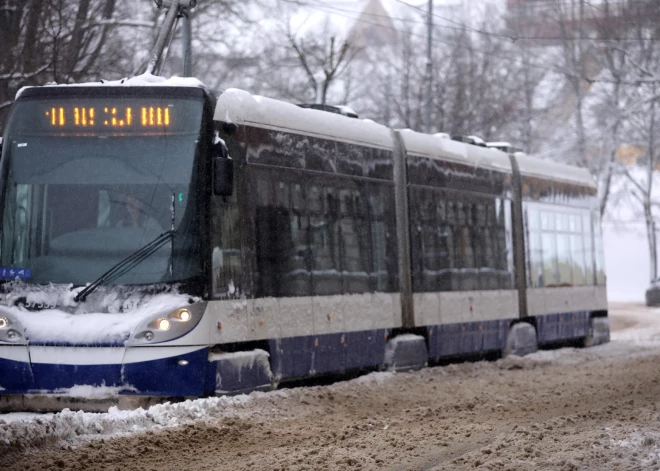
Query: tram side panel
x=564 y=256
x=462 y=259
x=316 y=254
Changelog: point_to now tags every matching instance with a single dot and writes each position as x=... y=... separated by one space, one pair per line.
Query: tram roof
x=541 y=168
x=440 y=147
x=243 y=108
x=144 y=80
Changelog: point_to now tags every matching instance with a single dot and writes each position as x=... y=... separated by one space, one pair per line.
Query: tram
x=158 y=241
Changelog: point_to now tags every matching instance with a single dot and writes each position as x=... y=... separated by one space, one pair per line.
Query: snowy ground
x=562 y=409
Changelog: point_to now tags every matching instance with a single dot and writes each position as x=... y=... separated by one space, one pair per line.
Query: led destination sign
x=87 y=116
x=108 y=116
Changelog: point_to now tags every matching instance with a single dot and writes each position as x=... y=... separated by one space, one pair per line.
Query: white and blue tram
x=139 y=259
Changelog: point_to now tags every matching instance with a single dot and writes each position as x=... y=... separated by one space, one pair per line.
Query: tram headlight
x=163 y=324
x=168 y=325
x=13 y=335
x=182 y=315
x=10 y=329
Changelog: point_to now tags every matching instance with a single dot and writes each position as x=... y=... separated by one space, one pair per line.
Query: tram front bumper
x=103 y=371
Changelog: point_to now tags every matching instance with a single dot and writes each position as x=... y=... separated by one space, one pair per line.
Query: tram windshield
x=88 y=181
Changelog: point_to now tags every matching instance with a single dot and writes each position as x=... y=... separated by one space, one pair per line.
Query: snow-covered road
x=563 y=409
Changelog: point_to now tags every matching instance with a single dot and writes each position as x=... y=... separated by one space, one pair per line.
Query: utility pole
x=429 y=68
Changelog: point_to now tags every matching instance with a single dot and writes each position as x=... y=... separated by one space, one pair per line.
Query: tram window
x=378 y=195
x=561 y=243
x=282 y=195
x=547 y=221
x=459 y=242
x=226 y=243
x=263 y=192
x=598 y=249
x=380 y=164
x=534 y=252
x=564 y=264
x=297 y=197
x=549 y=249
x=315 y=201
x=536 y=259
x=319 y=154
x=577 y=253
x=317 y=238
x=587 y=238
x=279 y=149
x=350 y=159
x=354 y=238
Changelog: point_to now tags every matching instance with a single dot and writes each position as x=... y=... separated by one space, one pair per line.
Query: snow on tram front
x=140 y=262
x=103 y=222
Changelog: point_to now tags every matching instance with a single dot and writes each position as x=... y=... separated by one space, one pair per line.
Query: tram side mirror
x=223 y=173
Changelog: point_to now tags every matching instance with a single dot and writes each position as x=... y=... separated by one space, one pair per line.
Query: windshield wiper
x=126 y=264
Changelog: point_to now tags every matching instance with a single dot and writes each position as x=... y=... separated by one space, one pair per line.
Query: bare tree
x=323 y=59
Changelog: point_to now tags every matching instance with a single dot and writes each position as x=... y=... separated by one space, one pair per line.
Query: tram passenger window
x=549 y=249
x=326 y=276
x=459 y=242
x=297 y=197
x=564 y=264
x=376 y=210
x=561 y=243
x=600 y=256
x=547 y=221
x=354 y=237
x=226 y=243
x=587 y=238
x=536 y=260
x=322 y=239
x=503 y=235
x=282 y=195
x=320 y=154
x=577 y=253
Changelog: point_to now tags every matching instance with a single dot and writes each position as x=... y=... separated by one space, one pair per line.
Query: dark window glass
x=319 y=154
x=226 y=243
x=351 y=160
x=380 y=164
x=89 y=185
x=279 y=149
x=459 y=241
x=323 y=237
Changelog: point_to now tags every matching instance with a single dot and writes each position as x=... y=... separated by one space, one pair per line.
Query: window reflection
x=560 y=249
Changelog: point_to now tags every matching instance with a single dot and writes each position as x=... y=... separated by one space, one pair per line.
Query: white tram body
x=323 y=244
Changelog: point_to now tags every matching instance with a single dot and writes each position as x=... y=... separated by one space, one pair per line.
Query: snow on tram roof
x=535 y=167
x=441 y=147
x=144 y=80
x=241 y=107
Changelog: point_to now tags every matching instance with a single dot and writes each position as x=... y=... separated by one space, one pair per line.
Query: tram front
x=103 y=249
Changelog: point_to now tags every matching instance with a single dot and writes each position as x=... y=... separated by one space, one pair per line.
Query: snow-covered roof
x=241 y=107
x=144 y=80
x=534 y=167
x=437 y=146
